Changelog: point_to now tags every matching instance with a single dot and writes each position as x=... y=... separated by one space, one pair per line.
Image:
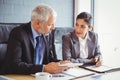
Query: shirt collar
x=35 y=34
x=84 y=38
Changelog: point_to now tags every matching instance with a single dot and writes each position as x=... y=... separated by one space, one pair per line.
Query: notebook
x=101 y=69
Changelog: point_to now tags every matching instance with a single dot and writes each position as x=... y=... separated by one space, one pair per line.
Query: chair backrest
x=59 y=32
x=5 y=29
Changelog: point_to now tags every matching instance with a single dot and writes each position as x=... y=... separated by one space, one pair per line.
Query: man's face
x=48 y=26
x=81 y=28
x=45 y=27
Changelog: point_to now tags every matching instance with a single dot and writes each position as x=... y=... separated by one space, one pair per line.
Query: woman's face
x=81 y=28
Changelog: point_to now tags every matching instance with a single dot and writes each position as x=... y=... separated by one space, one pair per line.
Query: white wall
x=107 y=24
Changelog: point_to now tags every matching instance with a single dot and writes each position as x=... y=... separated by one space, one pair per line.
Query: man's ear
x=37 y=23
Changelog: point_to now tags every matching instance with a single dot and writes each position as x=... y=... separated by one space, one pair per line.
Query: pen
x=57 y=75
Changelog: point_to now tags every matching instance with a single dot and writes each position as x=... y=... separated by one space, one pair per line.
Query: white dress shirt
x=83 y=47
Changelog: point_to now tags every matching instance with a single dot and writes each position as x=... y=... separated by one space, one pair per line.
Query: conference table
x=104 y=76
x=20 y=77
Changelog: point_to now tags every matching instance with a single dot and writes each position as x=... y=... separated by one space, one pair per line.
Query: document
x=78 y=72
x=61 y=76
x=71 y=73
x=71 y=64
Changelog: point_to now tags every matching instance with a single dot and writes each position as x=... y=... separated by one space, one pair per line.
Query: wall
x=82 y=6
x=19 y=11
x=107 y=19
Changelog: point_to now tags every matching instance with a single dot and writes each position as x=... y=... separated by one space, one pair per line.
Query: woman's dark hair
x=86 y=17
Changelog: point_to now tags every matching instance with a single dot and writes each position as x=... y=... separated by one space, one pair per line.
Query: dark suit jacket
x=20 y=51
x=71 y=47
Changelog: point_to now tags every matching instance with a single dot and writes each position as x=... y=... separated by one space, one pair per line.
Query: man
x=21 y=52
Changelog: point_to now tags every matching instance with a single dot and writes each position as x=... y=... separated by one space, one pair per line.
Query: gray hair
x=42 y=13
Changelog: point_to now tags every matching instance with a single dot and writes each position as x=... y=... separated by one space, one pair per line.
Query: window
x=82 y=6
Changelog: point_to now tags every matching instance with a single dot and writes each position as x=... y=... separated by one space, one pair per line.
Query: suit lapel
x=76 y=44
x=29 y=31
x=46 y=54
x=90 y=46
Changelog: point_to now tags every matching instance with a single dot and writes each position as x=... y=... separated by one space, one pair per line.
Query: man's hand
x=54 y=68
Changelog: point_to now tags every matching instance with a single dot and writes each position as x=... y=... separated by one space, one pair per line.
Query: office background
x=19 y=11
x=105 y=19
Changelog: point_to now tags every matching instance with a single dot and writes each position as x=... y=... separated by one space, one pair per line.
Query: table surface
x=20 y=77
x=106 y=76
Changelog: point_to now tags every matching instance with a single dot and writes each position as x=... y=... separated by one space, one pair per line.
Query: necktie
x=47 y=39
x=39 y=50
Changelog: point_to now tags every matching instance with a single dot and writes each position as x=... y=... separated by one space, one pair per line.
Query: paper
x=78 y=72
x=71 y=64
x=62 y=77
x=59 y=76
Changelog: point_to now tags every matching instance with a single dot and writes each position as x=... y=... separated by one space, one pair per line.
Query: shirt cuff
x=43 y=68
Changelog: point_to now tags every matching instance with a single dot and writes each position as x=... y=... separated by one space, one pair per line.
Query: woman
x=81 y=45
